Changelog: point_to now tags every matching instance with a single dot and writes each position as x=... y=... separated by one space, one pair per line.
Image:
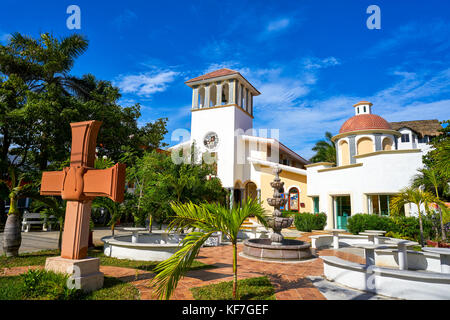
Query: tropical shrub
x=359 y=222
x=310 y=221
x=395 y=226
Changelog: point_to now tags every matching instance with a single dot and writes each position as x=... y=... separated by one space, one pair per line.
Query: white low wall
x=138 y=251
x=248 y=234
x=325 y=241
x=403 y=284
x=417 y=260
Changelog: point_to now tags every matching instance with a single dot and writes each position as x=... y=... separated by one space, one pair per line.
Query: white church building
x=375 y=158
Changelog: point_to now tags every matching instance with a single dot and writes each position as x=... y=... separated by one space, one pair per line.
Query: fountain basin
x=280 y=222
x=289 y=250
x=276 y=202
x=151 y=247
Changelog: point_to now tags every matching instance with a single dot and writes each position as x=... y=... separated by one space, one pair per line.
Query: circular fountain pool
x=151 y=246
x=288 y=250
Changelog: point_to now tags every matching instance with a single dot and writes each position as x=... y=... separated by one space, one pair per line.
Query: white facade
x=382 y=173
x=372 y=166
x=222 y=127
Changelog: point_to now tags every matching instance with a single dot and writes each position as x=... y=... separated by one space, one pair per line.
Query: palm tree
x=429 y=178
x=325 y=150
x=18 y=187
x=52 y=206
x=204 y=219
x=50 y=59
x=113 y=208
x=419 y=198
x=44 y=66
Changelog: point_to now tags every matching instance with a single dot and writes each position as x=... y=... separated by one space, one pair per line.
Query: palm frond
x=170 y=271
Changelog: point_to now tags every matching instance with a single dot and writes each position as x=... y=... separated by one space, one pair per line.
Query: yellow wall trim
x=341 y=167
x=224 y=106
x=368 y=131
x=319 y=164
x=386 y=152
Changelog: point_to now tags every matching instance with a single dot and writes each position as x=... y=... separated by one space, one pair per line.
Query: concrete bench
x=403 y=284
x=30 y=219
x=321 y=241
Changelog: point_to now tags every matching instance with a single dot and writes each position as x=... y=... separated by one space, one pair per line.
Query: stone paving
x=292 y=281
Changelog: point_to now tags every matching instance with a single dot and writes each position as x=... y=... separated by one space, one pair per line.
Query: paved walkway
x=37 y=240
x=292 y=281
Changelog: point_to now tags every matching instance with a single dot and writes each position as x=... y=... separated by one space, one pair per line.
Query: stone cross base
x=85 y=273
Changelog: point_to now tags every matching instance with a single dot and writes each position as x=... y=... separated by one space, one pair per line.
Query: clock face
x=211 y=140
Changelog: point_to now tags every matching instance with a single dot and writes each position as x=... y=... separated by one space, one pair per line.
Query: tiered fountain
x=277 y=248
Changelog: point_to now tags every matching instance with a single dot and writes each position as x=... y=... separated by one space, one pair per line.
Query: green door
x=343 y=210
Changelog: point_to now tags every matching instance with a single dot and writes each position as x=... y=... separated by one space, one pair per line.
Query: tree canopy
x=39 y=98
x=325 y=150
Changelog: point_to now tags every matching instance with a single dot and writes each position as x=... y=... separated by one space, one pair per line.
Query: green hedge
x=398 y=227
x=310 y=221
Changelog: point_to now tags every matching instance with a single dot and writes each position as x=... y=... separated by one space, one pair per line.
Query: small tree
x=430 y=179
x=159 y=182
x=419 y=198
x=204 y=219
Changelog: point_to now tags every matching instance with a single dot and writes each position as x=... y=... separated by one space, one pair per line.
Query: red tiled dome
x=365 y=122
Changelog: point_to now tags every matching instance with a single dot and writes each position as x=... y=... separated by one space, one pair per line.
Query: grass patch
x=27 y=259
x=38 y=259
x=97 y=252
x=47 y=285
x=258 y=288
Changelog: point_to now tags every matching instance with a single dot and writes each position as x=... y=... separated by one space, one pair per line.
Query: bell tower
x=222 y=105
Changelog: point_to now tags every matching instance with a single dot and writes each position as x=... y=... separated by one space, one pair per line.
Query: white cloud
x=146 y=84
x=318 y=63
x=415 y=96
x=279 y=24
x=433 y=34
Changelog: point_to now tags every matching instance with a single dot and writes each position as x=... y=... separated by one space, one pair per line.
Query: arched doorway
x=237 y=194
x=251 y=191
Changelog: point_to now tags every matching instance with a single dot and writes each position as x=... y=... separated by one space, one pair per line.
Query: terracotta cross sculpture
x=79 y=184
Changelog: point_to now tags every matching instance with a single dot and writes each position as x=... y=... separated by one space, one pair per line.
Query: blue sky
x=311 y=60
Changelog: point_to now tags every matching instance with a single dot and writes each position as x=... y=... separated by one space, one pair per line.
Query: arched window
x=293 y=200
x=387 y=144
x=365 y=145
x=201 y=97
x=345 y=154
x=212 y=95
x=225 y=94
